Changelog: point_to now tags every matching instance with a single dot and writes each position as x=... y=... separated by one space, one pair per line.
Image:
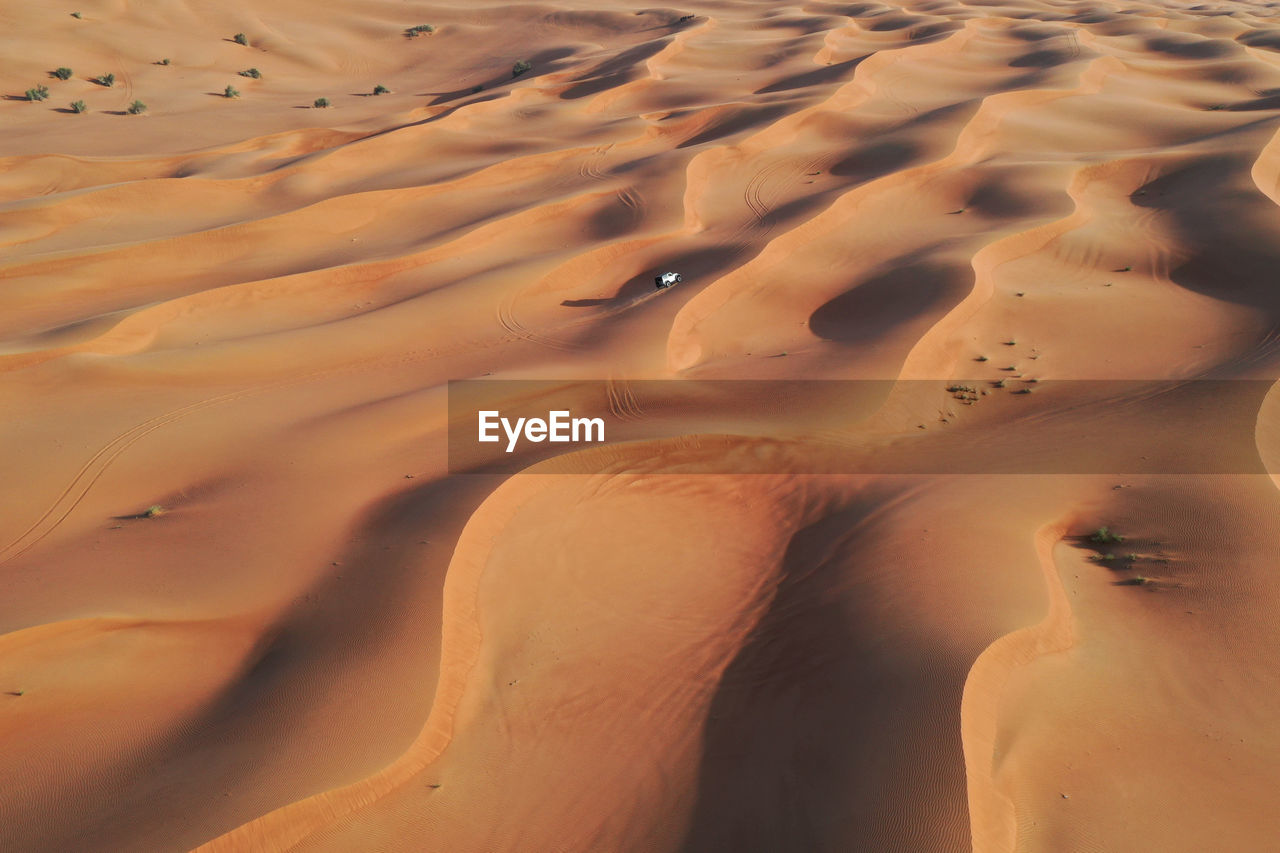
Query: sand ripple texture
x=246 y=606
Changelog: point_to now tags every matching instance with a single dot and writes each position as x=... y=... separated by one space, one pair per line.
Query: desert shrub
x=107 y=80
x=164 y=61
x=320 y=103
x=251 y=72
x=520 y=68
x=381 y=90
x=78 y=106
x=39 y=93
x=137 y=108
x=240 y=38
x=420 y=29
x=231 y=92
x=1104 y=536
x=62 y=73
x=76 y=15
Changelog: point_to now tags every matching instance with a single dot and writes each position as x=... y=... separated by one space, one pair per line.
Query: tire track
x=92 y=470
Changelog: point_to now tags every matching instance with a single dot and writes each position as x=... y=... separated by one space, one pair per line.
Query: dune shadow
x=1190 y=49
x=543 y=62
x=1047 y=58
x=1227 y=245
x=614 y=71
x=875 y=159
x=744 y=119
x=1266 y=39
x=588 y=303
x=342 y=632
x=816 y=77
x=901 y=291
x=822 y=730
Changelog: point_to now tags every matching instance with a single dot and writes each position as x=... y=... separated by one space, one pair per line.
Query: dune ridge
x=253 y=604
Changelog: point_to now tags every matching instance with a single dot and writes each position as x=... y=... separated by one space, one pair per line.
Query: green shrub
x=320 y=103
x=240 y=38
x=1104 y=536
x=78 y=106
x=420 y=29
x=251 y=72
x=381 y=90
x=63 y=73
x=39 y=93
x=76 y=15
x=231 y=92
x=137 y=108
x=520 y=68
x=107 y=80
x=154 y=511
x=164 y=61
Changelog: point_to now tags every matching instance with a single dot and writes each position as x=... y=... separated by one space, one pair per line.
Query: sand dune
x=252 y=601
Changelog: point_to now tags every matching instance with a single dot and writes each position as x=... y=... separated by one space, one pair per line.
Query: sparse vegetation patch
x=419 y=30
x=320 y=103
x=240 y=38
x=137 y=108
x=251 y=72
x=520 y=67
x=381 y=90
x=78 y=106
x=39 y=93
x=107 y=80
x=62 y=73
x=1105 y=536
x=231 y=92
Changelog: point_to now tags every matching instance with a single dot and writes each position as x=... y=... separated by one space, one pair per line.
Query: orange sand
x=246 y=311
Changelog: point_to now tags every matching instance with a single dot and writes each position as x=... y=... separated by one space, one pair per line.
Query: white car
x=667 y=279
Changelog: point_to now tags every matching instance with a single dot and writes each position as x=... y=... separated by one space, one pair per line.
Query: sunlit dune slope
x=251 y=602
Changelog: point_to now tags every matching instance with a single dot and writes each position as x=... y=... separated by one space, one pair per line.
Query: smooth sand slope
x=248 y=605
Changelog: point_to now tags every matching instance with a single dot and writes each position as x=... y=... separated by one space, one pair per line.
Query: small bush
x=164 y=61
x=320 y=103
x=39 y=93
x=231 y=92
x=107 y=80
x=981 y=358
x=76 y=15
x=420 y=29
x=63 y=73
x=1104 y=536
x=520 y=68
x=78 y=106
x=154 y=511
x=240 y=38
x=137 y=108
x=251 y=72
x=381 y=90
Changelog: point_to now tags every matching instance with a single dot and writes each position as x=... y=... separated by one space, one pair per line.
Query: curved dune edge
x=630 y=470
x=286 y=827
x=991 y=810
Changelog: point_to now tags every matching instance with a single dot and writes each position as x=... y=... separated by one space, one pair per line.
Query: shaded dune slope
x=244 y=312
